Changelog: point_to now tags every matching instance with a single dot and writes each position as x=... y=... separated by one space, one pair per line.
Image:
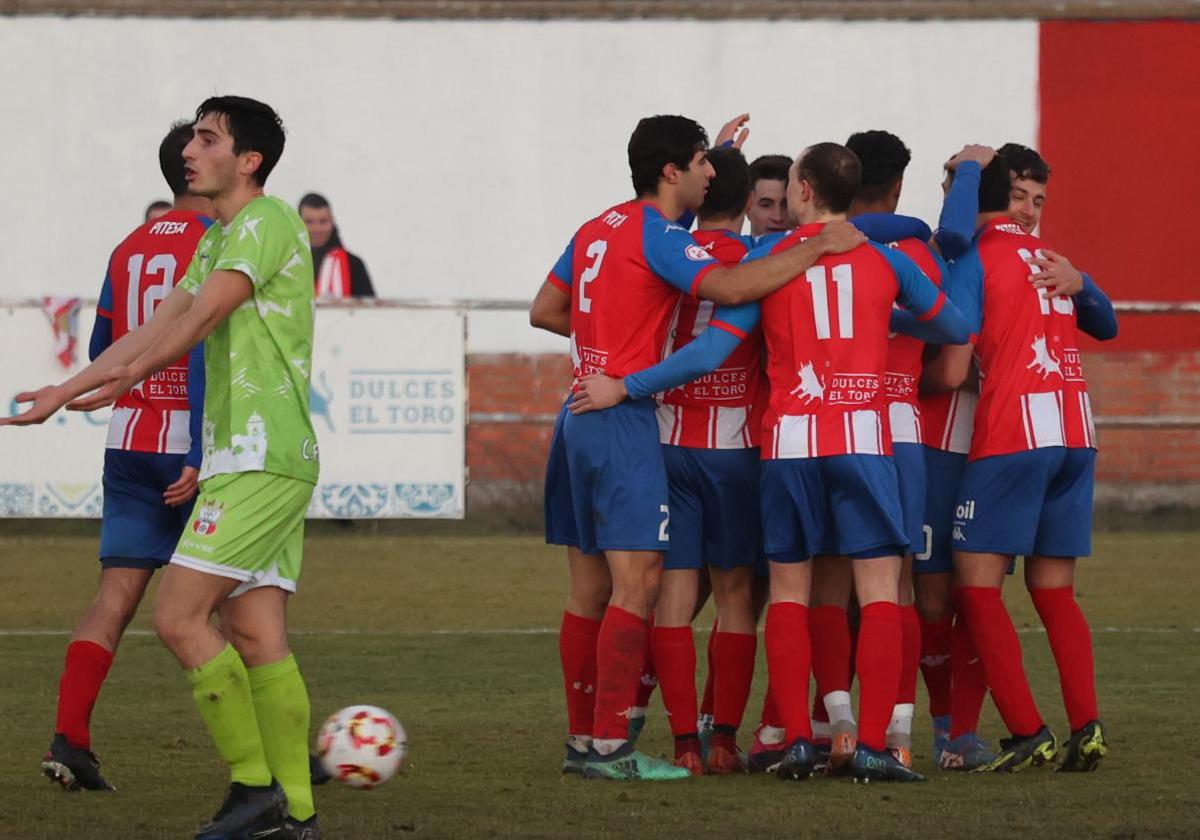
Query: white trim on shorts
x=249 y=580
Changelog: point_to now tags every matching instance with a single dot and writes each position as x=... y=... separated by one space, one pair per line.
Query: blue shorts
x=910 y=470
x=559 y=512
x=840 y=504
x=714 y=507
x=618 y=482
x=138 y=530
x=1027 y=503
x=943 y=472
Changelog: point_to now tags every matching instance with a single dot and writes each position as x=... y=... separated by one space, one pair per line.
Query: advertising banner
x=388 y=404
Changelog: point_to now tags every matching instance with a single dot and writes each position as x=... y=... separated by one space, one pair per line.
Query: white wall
x=460 y=157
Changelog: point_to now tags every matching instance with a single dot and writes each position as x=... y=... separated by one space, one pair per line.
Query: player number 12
x=139 y=308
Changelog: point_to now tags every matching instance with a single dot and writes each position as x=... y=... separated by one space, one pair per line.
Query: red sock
x=996 y=641
x=648 y=679
x=770 y=711
x=733 y=656
x=708 y=702
x=910 y=654
x=87 y=666
x=935 y=662
x=968 y=685
x=830 y=633
x=880 y=644
x=789 y=660
x=675 y=655
x=1071 y=642
x=577 y=652
x=620 y=650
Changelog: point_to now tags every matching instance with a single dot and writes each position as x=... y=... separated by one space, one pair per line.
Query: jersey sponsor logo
x=614 y=219
x=811 y=388
x=1044 y=361
x=168 y=228
x=1010 y=228
x=958 y=534
x=207 y=518
x=309 y=451
x=965 y=511
x=697 y=253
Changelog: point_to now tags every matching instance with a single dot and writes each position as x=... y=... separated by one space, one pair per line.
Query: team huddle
x=844 y=419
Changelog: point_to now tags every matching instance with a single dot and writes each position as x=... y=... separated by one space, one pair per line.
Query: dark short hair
x=254 y=126
x=660 y=140
x=769 y=168
x=315 y=201
x=884 y=158
x=1024 y=162
x=170 y=157
x=729 y=189
x=995 y=185
x=157 y=205
x=835 y=174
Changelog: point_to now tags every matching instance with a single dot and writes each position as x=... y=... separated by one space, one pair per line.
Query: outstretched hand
x=735 y=131
x=840 y=236
x=46 y=401
x=1055 y=274
x=596 y=391
x=117 y=383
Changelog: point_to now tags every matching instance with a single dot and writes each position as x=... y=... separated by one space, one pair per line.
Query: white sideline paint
x=546 y=631
x=414 y=145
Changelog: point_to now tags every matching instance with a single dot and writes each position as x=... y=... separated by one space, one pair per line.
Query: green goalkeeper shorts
x=247 y=526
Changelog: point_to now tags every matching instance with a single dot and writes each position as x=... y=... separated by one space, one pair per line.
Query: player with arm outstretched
x=1027 y=487
x=151 y=462
x=249 y=296
x=622 y=273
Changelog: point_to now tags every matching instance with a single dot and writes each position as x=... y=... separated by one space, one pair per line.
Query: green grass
x=485 y=715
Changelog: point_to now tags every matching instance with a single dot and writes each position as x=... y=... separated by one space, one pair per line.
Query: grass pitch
x=454 y=635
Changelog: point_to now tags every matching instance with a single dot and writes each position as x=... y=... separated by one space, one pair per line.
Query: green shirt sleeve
x=258 y=243
x=197 y=269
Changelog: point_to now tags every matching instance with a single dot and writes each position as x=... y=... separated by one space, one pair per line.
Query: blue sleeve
x=917 y=294
x=1094 y=312
x=102 y=329
x=956 y=225
x=703 y=354
x=196 y=405
x=890 y=227
x=101 y=336
x=964 y=286
x=763 y=246
x=673 y=254
x=562 y=268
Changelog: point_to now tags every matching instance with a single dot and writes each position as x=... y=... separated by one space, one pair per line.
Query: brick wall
x=513 y=400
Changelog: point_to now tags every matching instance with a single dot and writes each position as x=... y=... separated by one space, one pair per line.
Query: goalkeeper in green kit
x=249 y=296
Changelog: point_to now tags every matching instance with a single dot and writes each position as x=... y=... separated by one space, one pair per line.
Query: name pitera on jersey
x=722 y=409
x=143 y=270
x=1032 y=388
x=827 y=343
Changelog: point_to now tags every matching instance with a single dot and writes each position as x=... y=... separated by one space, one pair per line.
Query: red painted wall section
x=1120 y=122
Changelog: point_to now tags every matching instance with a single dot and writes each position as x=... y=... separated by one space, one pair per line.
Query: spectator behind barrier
x=338 y=273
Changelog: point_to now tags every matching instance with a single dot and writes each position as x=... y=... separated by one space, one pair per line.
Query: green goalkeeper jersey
x=258 y=361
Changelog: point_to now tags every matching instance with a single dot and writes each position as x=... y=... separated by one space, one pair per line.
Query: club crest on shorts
x=206 y=520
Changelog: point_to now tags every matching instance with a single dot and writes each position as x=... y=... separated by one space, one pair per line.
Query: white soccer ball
x=362 y=746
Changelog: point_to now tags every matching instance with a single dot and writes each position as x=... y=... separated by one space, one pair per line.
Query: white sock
x=579 y=743
x=608 y=746
x=771 y=734
x=822 y=731
x=899 y=731
x=636 y=712
x=841 y=713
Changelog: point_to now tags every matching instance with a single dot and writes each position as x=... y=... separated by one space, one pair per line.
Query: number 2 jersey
x=827 y=348
x=154 y=416
x=624 y=271
x=722 y=409
x=1032 y=392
